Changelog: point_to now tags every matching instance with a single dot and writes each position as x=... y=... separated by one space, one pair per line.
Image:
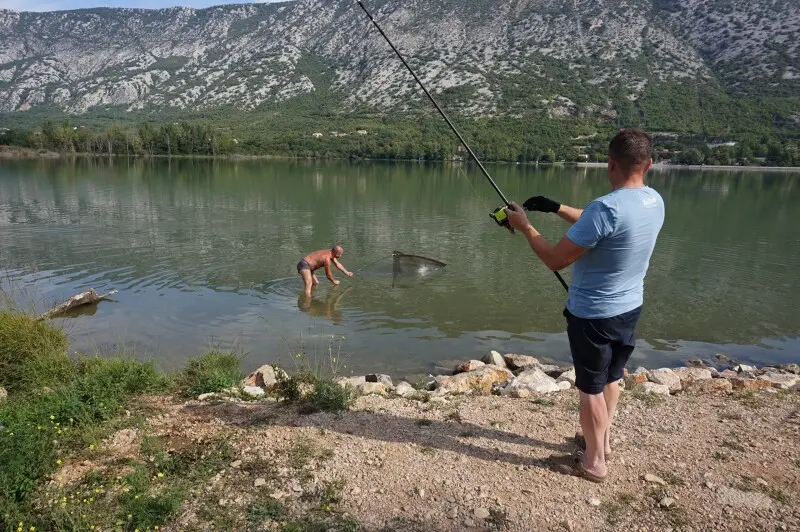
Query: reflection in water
x=192 y=246
x=327 y=308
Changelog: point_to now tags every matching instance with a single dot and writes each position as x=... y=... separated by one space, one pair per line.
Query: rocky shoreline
x=522 y=376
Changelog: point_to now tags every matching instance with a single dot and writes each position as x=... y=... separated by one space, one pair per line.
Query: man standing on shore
x=320 y=259
x=610 y=242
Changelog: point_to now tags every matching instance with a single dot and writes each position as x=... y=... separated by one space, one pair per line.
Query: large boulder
x=568 y=376
x=666 y=377
x=749 y=385
x=353 y=382
x=386 y=380
x=687 y=375
x=372 y=388
x=495 y=359
x=265 y=377
x=469 y=365
x=631 y=380
x=651 y=388
x=520 y=361
x=404 y=389
x=708 y=387
x=784 y=381
x=478 y=381
x=532 y=381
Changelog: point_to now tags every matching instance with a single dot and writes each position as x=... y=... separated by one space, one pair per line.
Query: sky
x=57 y=5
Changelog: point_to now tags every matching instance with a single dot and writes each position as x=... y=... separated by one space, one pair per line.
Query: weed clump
x=33 y=353
x=213 y=372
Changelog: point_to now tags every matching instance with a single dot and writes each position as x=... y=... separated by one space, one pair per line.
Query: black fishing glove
x=541 y=204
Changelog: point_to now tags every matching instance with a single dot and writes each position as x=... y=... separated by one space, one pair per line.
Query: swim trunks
x=303 y=265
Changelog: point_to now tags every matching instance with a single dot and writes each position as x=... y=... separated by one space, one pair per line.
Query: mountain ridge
x=575 y=58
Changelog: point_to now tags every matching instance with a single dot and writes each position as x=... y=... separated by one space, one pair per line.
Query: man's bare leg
x=611 y=396
x=316 y=281
x=308 y=280
x=594 y=422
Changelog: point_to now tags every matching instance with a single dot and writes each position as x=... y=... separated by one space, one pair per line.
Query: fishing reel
x=501 y=218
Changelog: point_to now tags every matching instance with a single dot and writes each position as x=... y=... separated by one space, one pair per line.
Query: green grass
x=269 y=508
x=720 y=456
x=671 y=478
x=213 y=372
x=33 y=354
x=649 y=399
x=541 y=401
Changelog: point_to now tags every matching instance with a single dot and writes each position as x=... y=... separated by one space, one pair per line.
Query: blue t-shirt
x=619 y=231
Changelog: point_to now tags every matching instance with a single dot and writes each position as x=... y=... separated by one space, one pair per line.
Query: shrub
x=213 y=372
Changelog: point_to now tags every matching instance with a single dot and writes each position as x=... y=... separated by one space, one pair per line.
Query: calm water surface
x=204 y=253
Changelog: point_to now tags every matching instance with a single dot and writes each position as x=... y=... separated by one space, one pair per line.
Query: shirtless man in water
x=321 y=259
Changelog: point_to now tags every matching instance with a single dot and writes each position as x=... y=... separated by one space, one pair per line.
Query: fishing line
x=498 y=215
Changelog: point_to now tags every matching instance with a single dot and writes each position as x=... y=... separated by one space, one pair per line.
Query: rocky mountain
x=484 y=57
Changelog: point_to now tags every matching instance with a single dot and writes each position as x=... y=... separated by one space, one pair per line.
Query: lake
x=203 y=253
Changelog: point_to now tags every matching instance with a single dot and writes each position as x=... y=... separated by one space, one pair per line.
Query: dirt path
x=478 y=463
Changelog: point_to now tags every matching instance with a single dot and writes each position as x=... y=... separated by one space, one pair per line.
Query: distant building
x=361 y=132
x=729 y=144
x=341 y=134
x=316 y=135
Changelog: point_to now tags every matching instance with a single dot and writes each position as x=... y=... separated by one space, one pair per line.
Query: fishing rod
x=499 y=214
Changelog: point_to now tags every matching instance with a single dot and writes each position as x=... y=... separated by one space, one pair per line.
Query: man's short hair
x=631 y=148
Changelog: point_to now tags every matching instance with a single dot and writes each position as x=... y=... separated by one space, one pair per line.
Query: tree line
x=511 y=140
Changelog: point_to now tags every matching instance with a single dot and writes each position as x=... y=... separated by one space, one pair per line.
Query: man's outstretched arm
x=555 y=257
x=341 y=268
x=329 y=273
x=545 y=204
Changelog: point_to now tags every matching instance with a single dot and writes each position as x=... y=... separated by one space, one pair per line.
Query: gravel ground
x=491 y=463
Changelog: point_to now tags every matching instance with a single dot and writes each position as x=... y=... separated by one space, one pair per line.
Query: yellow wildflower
x=58 y=462
x=160 y=475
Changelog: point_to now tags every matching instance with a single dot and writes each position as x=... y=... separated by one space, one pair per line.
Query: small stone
x=666 y=502
x=469 y=523
x=206 y=396
x=494 y=358
x=569 y=526
x=222 y=502
x=386 y=380
x=761 y=482
x=259 y=483
x=236 y=464
x=452 y=513
x=355 y=491
x=655 y=479
x=594 y=502
x=667 y=377
x=421 y=492
x=515 y=361
x=265 y=377
x=651 y=388
x=744 y=368
x=481 y=513
x=710 y=485
x=470 y=365
x=534 y=380
x=563 y=385
x=253 y=391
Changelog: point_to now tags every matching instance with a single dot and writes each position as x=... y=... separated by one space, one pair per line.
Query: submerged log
x=85 y=298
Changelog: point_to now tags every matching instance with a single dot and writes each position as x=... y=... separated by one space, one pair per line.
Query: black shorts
x=601 y=348
x=303 y=265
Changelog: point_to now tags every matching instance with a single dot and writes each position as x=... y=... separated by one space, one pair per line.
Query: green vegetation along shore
x=510 y=140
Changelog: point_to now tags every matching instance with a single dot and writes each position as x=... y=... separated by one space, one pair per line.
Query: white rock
x=652 y=388
x=515 y=361
x=494 y=358
x=470 y=365
x=667 y=502
x=452 y=513
x=355 y=491
x=481 y=513
x=744 y=368
x=353 y=382
x=687 y=375
x=236 y=464
x=259 y=483
x=206 y=396
x=568 y=376
x=655 y=479
x=253 y=391
x=367 y=388
x=265 y=377
x=478 y=381
x=784 y=381
x=666 y=377
x=404 y=389
x=386 y=380
x=532 y=380
x=563 y=385
x=594 y=502
x=641 y=370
